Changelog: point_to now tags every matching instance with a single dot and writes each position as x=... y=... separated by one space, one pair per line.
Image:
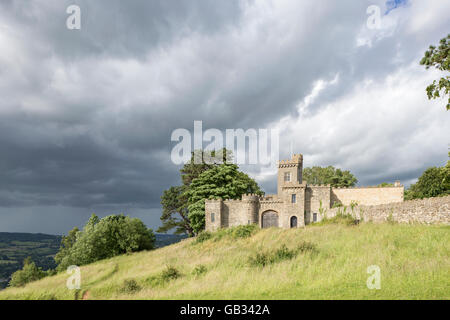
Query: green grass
x=320 y=262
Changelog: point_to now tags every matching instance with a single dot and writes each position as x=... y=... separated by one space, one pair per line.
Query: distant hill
x=15 y=247
x=331 y=262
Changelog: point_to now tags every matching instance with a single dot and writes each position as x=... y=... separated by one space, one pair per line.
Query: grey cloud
x=86 y=116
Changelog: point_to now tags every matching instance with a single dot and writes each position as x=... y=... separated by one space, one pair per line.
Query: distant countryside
x=15 y=247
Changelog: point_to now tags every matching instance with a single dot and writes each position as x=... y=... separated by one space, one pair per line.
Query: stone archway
x=269 y=219
x=293 y=222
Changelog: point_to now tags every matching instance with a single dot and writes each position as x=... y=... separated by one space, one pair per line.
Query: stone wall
x=367 y=195
x=316 y=197
x=426 y=211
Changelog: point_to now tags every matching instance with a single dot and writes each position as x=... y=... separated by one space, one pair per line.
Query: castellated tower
x=290 y=172
x=296 y=204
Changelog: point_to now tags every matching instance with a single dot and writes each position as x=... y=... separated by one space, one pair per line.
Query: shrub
x=306 y=246
x=170 y=273
x=199 y=270
x=203 y=236
x=283 y=253
x=29 y=273
x=261 y=259
x=243 y=231
x=390 y=219
x=339 y=218
x=130 y=286
x=104 y=238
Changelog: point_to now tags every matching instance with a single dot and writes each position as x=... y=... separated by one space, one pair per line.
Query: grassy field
x=319 y=262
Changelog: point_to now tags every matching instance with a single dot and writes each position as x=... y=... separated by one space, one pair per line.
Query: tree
x=67 y=243
x=174 y=201
x=104 y=238
x=30 y=272
x=440 y=59
x=433 y=182
x=223 y=181
x=329 y=175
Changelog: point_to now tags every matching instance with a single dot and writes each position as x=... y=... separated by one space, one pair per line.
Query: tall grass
x=320 y=262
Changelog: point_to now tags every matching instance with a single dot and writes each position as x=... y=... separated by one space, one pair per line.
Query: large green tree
x=175 y=213
x=174 y=201
x=433 y=182
x=223 y=181
x=104 y=238
x=329 y=175
x=440 y=59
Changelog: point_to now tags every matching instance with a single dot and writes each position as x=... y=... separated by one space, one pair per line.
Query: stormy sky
x=86 y=115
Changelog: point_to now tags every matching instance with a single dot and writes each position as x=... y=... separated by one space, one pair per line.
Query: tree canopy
x=440 y=59
x=435 y=181
x=329 y=175
x=104 y=238
x=223 y=181
x=174 y=201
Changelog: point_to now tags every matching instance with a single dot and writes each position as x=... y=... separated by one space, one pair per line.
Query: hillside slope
x=414 y=262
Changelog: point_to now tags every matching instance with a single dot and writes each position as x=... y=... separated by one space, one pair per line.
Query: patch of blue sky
x=394 y=4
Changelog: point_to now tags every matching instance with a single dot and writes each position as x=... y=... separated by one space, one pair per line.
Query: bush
x=341 y=217
x=307 y=247
x=168 y=274
x=130 y=286
x=203 y=236
x=283 y=253
x=243 y=231
x=238 y=232
x=104 y=238
x=261 y=259
x=29 y=273
x=199 y=270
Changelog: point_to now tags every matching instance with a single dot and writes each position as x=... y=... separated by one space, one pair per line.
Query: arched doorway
x=269 y=219
x=294 y=222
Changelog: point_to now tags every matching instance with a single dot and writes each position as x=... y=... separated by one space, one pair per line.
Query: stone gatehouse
x=296 y=202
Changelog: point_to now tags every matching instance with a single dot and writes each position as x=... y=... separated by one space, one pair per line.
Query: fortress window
x=287 y=176
x=314 y=217
x=213 y=218
x=294 y=198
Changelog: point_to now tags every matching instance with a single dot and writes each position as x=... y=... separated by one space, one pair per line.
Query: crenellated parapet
x=296 y=160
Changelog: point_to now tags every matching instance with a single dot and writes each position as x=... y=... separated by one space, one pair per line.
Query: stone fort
x=296 y=203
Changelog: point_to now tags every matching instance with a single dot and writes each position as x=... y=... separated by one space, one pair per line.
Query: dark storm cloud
x=86 y=115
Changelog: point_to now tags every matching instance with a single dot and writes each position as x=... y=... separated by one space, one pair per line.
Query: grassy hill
x=316 y=262
x=15 y=247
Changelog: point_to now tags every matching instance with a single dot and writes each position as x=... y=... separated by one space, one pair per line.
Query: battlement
x=296 y=160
